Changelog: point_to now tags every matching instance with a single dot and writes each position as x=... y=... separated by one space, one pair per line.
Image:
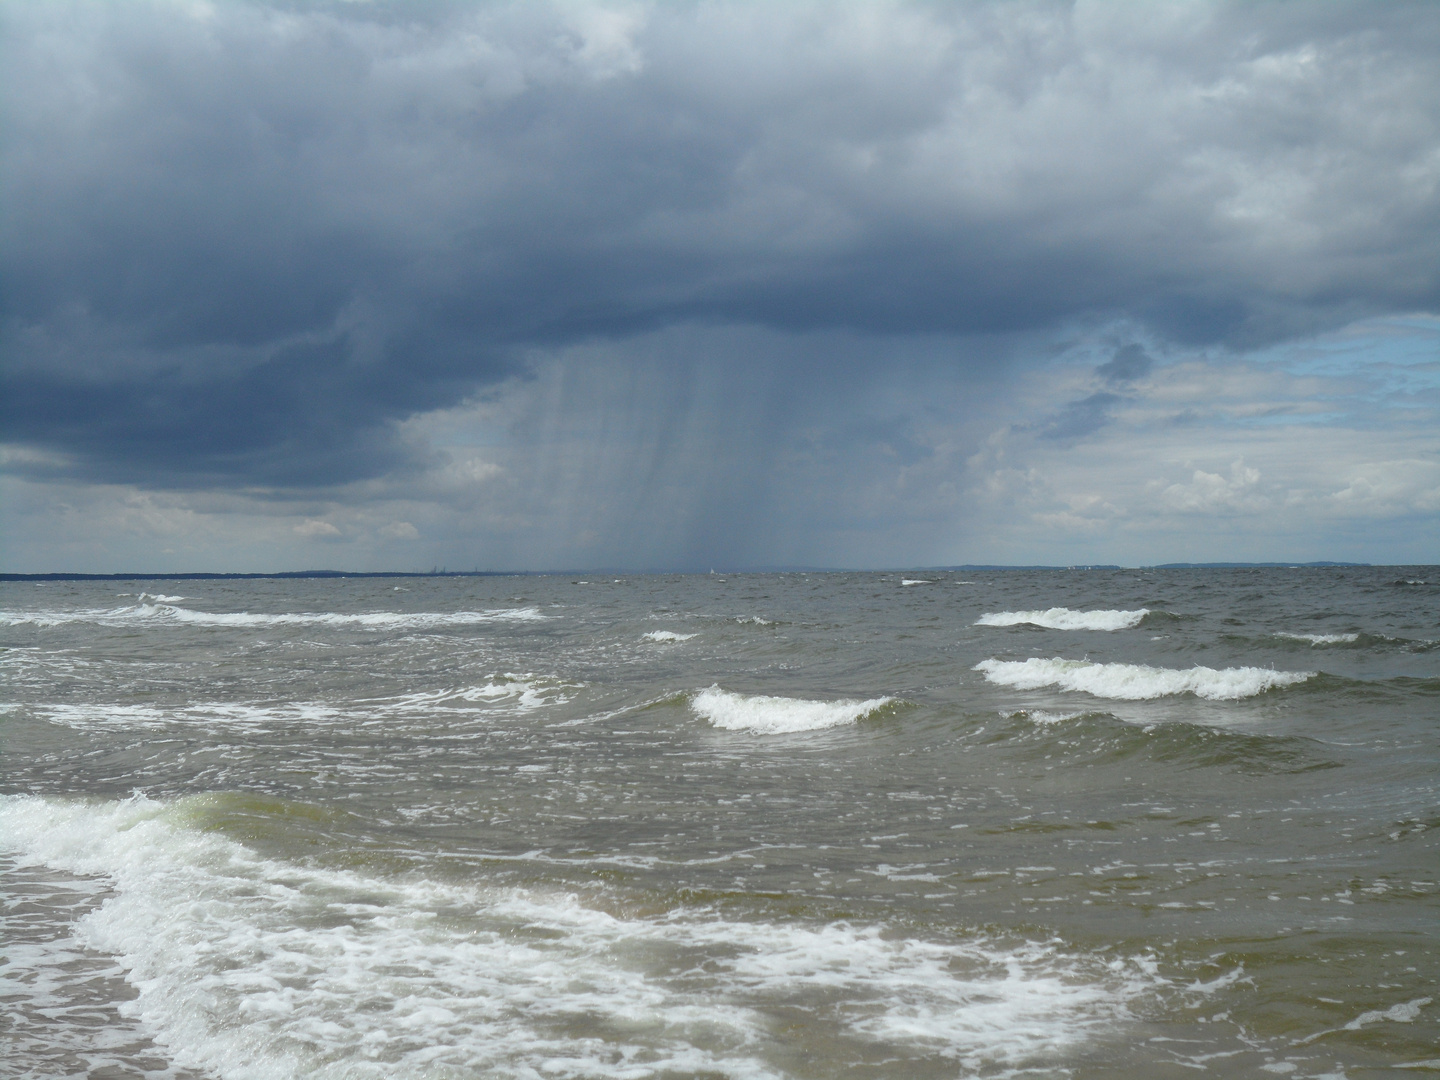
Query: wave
x=1041 y=716
x=666 y=635
x=916 y=581
x=1350 y=640
x=1137 y=682
x=1322 y=639
x=1059 y=618
x=510 y=694
x=169 y=614
x=778 y=715
x=280 y=969
x=521 y=692
x=1087 y=738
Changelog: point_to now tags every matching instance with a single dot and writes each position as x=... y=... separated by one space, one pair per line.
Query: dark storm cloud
x=1080 y=418
x=242 y=241
x=1127 y=365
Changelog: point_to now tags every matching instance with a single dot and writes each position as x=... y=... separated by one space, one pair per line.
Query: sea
x=1023 y=823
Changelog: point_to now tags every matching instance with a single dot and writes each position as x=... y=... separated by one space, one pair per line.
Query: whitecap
x=770 y=715
x=278 y=969
x=1059 y=618
x=916 y=581
x=169 y=614
x=508 y=695
x=521 y=692
x=1322 y=639
x=1137 y=682
x=666 y=635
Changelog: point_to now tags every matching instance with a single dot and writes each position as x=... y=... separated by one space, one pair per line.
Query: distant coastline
x=283 y=574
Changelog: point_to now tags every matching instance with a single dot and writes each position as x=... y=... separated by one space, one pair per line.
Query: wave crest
x=1059 y=618
x=169 y=614
x=321 y=965
x=1137 y=682
x=778 y=715
x=1322 y=639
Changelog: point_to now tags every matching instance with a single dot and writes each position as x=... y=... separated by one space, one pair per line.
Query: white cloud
x=1388 y=488
x=400 y=530
x=317 y=530
x=1210 y=492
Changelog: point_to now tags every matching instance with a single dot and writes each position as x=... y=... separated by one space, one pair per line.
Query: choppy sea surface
x=870 y=825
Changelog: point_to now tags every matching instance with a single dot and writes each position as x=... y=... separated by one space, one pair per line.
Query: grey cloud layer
x=242 y=241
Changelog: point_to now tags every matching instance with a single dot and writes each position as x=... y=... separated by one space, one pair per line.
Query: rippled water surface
x=1045 y=824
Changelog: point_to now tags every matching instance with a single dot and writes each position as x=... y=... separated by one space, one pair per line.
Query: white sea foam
x=521 y=692
x=1400 y=1014
x=161 y=598
x=1322 y=639
x=275 y=970
x=508 y=695
x=778 y=715
x=1137 y=682
x=1404 y=1013
x=1059 y=618
x=666 y=635
x=71 y=1001
x=168 y=614
x=916 y=581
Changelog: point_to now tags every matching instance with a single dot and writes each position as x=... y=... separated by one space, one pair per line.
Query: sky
x=390 y=286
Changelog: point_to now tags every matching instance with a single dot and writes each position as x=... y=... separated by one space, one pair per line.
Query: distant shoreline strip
x=287 y=574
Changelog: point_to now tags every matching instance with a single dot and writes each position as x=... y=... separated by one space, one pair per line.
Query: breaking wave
x=1137 y=682
x=510 y=694
x=1059 y=618
x=666 y=636
x=778 y=715
x=269 y=968
x=1322 y=639
x=169 y=614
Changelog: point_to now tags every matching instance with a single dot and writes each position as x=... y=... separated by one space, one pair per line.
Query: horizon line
x=446 y=573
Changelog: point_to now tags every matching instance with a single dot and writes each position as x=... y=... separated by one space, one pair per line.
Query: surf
x=1137 y=682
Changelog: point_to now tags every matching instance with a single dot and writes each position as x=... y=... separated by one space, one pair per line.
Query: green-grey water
x=1039 y=823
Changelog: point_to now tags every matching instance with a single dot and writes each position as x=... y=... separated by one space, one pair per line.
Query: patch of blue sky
x=1291 y=419
x=1396 y=356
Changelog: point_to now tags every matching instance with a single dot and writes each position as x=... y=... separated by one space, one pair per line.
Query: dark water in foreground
x=1076 y=824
